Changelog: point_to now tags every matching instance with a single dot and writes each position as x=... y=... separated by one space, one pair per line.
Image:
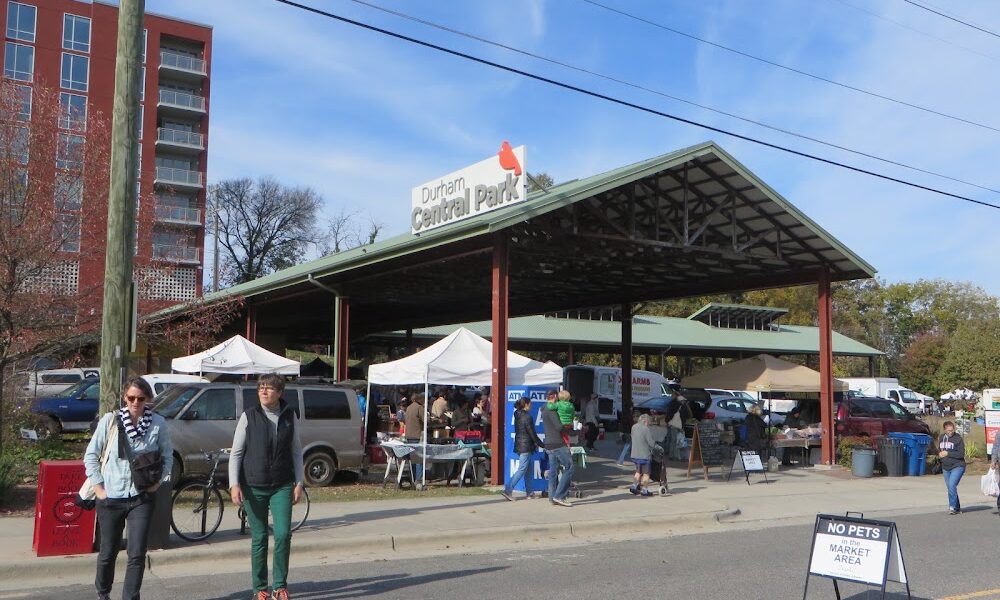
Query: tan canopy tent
x=762 y=373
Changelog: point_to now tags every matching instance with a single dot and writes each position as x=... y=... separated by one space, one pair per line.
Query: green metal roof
x=823 y=246
x=658 y=332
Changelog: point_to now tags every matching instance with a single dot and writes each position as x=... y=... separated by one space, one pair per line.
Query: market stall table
x=435 y=453
x=804 y=443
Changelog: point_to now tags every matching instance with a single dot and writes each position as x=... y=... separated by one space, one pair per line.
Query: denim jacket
x=117 y=476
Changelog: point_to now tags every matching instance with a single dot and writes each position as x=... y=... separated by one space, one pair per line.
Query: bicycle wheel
x=197 y=511
x=300 y=511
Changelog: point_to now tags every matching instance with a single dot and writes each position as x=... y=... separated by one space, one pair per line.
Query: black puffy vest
x=268 y=462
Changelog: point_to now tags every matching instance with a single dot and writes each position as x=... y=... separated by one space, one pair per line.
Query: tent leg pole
x=364 y=427
x=423 y=474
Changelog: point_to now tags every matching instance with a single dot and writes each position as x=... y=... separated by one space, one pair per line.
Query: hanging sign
x=487 y=185
x=859 y=550
x=992 y=418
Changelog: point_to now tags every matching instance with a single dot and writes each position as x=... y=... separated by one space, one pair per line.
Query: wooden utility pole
x=118 y=289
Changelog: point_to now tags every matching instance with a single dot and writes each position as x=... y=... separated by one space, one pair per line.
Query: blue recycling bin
x=916 y=451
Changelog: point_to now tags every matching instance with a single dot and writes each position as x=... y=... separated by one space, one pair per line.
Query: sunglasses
x=135 y=398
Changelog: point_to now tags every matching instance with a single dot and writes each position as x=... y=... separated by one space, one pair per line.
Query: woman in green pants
x=265 y=474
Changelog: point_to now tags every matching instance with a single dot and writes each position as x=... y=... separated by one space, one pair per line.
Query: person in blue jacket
x=118 y=500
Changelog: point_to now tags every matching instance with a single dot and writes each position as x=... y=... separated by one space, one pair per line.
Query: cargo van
x=41 y=384
x=583 y=380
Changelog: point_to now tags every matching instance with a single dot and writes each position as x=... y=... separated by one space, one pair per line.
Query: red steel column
x=344 y=327
x=826 y=367
x=498 y=391
x=627 y=366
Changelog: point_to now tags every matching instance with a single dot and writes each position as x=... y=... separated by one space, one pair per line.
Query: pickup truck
x=72 y=409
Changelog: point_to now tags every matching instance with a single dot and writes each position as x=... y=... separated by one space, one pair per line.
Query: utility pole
x=118 y=288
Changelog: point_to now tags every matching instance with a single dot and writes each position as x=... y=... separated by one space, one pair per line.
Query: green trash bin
x=862 y=461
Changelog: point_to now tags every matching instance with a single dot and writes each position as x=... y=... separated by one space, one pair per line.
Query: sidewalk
x=387 y=529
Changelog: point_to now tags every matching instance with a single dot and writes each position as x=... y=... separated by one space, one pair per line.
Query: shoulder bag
x=147 y=468
x=86 y=498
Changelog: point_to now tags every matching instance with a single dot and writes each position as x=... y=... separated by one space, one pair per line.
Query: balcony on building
x=182 y=66
x=179 y=178
x=179 y=254
x=176 y=102
x=180 y=141
x=177 y=215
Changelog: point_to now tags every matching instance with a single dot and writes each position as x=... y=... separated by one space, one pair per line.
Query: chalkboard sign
x=858 y=550
x=711 y=445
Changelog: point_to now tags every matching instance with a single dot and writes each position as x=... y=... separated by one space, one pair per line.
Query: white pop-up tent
x=462 y=358
x=237 y=355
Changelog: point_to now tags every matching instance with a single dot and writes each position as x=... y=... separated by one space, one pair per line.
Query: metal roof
x=687 y=223
x=738 y=316
x=653 y=334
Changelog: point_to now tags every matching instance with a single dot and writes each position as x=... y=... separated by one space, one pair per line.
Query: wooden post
x=498 y=391
x=571 y=355
x=120 y=244
x=343 y=339
x=251 y=323
x=627 y=366
x=826 y=367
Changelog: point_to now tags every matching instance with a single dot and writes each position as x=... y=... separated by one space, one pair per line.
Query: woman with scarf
x=119 y=501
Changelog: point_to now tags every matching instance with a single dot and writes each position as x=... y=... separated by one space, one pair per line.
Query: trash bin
x=892 y=454
x=61 y=527
x=916 y=451
x=862 y=461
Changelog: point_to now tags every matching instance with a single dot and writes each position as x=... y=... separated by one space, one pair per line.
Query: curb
x=72 y=569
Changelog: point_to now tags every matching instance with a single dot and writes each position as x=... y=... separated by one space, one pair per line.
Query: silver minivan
x=202 y=417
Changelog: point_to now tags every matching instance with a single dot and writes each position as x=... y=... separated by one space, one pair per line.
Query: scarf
x=135 y=431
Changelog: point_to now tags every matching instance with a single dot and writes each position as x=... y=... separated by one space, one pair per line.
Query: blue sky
x=362 y=117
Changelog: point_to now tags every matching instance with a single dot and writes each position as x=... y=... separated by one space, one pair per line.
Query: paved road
x=953 y=557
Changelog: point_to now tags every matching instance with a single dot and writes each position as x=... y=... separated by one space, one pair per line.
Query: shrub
x=10 y=476
x=974 y=450
x=845 y=447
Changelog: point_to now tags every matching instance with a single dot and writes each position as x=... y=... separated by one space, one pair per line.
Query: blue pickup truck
x=72 y=409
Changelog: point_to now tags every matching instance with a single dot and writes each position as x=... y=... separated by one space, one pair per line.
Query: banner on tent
x=537 y=395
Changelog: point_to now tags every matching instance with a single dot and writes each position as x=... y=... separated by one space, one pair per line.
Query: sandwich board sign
x=856 y=549
x=747 y=461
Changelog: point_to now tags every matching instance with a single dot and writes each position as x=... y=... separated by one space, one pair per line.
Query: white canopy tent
x=238 y=356
x=462 y=358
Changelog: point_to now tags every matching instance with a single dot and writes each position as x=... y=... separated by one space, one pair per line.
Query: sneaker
x=645 y=492
x=279 y=594
x=507 y=496
x=633 y=489
x=952 y=511
x=262 y=595
x=561 y=502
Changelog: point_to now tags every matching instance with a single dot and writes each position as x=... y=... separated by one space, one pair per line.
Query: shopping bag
x=989 y=483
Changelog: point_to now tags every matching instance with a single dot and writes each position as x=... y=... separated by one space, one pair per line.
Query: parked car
x=162 y=381
x=73 y=409
x=201 y=417
x=869 y=416
x=42 y=384
x=699 y=398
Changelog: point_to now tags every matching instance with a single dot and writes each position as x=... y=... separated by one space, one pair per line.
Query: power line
x=628 y=104
x=666 y=95
x=915 y=30
x=793 y=69
x=951 y=18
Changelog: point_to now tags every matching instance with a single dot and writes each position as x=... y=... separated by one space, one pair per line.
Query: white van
x=161 y=381
x=583 y=380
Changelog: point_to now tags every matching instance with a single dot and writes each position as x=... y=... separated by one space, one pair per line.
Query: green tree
x=973 y=359
x=919 y=366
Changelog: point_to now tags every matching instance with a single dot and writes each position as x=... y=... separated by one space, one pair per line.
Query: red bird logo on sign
x=507 y=159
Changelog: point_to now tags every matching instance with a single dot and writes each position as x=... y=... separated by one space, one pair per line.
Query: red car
x=875 y=416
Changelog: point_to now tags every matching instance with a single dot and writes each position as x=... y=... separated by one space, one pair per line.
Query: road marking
x=984 y=593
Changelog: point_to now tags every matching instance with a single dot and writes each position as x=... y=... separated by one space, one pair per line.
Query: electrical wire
x=915 y=30
x=633 y=105
x=951 y=18
x=793 y=69
x=666 y=95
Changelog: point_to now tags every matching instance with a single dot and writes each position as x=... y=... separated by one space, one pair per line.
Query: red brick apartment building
x=69 y=45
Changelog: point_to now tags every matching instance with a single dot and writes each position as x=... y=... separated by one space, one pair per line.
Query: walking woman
x=134 y=430
x=526 y=443
x=952 y=454
x=265 y=474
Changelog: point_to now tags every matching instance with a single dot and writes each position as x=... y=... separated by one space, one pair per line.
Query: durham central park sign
x=488 y=185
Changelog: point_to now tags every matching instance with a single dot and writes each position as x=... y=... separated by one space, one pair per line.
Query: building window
x=73 y=111
x=74 y=72
x=21 y=22
x=145 y=39
x=67 y=230
x=19 y=62
x=140 y=117
x=20 y=146
x=76 y=33
x=24 y=96
x=68 y=191
x=69 y=153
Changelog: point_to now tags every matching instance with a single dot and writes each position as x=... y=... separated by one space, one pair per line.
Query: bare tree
x=264 y=226
x=341 y=233
x=375 y=227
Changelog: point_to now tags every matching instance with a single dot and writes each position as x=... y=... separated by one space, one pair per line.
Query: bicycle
x=198 y=505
